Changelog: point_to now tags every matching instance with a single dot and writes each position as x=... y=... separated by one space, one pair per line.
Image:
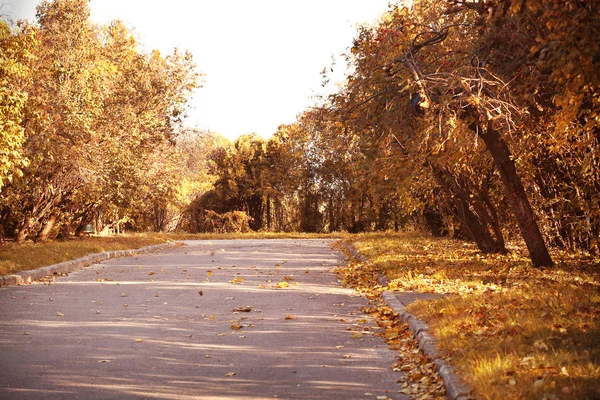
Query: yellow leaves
x=229 y=374
x=60 y=314
x=138 y=340
x=238 y=280
x=236 y=326
x=282 y=285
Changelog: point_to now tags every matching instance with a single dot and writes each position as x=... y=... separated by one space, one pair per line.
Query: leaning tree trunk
x=460 y=208
x=515 y=191
x=43 y=234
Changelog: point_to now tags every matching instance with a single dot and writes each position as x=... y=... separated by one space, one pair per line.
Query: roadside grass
x=15 y=258
x=511 y=330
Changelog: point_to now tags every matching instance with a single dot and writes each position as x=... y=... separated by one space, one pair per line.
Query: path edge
x=65 y=267
x=456 y=387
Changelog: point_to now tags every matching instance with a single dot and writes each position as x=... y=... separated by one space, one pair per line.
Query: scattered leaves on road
x=242 y=309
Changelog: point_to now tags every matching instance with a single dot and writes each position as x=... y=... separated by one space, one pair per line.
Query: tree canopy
x=474 y=119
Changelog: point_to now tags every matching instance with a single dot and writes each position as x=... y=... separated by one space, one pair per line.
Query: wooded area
x=475 y=119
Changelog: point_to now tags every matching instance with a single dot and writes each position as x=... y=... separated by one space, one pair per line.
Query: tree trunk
x=515 y=191
x=268 y=213
x=477 y=226
x=43 y=234
x=22 y=235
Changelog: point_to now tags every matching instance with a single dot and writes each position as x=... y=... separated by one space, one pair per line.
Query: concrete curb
x=456 y=388
x=75 y=265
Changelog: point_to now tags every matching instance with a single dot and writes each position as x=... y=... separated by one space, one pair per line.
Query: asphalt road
x=230 y=319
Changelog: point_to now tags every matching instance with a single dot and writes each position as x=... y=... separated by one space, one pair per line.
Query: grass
x=512 y=331
x=15 y=258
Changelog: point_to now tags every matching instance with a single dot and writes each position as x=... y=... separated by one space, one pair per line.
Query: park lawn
x=511 y=330
x=15 y=258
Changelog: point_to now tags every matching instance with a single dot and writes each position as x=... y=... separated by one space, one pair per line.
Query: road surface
x=223 y=319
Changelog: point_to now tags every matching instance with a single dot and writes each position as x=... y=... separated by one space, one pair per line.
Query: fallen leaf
x=60 y=314
x=242 y=309
x=230 y=374
x=104 y=361
x=290 y=317
x=201 y=293
x=138 y=340
x=151 y=273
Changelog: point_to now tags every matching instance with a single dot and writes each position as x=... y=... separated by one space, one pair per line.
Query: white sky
x=262 y=58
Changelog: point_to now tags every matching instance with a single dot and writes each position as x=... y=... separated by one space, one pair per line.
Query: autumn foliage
x=89 y=124
x=477 y=120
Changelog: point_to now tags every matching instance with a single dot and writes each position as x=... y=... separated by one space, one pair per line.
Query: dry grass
x=513 y=331
x=15 y=258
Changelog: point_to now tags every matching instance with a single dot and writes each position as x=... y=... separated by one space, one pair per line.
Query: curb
x=77 y=264
x=456 y=388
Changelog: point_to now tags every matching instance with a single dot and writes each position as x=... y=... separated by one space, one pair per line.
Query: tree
x=15 y=53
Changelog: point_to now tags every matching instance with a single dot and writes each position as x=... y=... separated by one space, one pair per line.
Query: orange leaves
x=236 y=326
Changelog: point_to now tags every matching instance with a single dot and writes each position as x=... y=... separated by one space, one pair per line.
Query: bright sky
x=262 y=58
